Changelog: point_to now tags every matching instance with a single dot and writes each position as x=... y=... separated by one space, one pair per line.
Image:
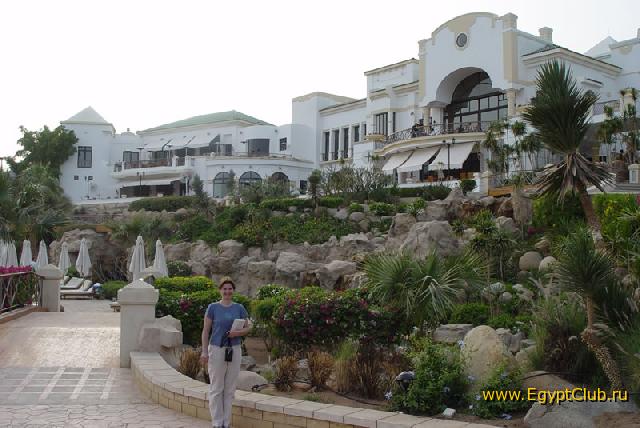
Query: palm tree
x=560 y=113
x=423 y=290
x=590 y=272
x=629 y=116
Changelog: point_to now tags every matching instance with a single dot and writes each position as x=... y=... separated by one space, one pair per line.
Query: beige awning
x=418 y=158
x=457 y=154
x=395 y=161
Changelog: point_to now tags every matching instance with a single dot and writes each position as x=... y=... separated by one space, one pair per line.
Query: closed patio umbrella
x=137 y=264
x=43 y=258
x=159 y=261
x=83 y=262
x=26 y=257
x=63 y=262
x=12 y=258
x=3 y=254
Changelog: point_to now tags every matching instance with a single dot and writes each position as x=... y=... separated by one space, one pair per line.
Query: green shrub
x=609 y=208
x=548 y=213
x=331 y=201
x=382 y=209
x=178 y=268
x=168 y=203
x=188 y=284
x=417 y=207
x=283 y=204
x=500 y=380
x=467 y=185
x=470 y=313
x=502 y=321
x=110 y=289
x=271 y=290
x=192 y=228
x=439 y=383
x=355 y=207
x=435 y=192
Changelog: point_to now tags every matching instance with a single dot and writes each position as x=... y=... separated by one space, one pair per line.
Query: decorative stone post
x=483 y=186
x=137 y=307
x=511 y=102
x=634 y=173
x=51 y=277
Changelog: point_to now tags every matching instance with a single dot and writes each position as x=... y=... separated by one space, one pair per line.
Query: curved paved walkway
x=61 y=369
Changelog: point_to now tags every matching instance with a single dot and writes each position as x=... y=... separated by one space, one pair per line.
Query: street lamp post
x=453 y=141
x=140 y=156
x=140 y=177
x=166 y=145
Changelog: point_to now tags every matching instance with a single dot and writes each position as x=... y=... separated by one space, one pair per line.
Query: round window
x=461 y=40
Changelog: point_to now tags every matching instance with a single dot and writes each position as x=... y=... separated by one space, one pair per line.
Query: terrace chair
x=72 y=284
x=85 y=290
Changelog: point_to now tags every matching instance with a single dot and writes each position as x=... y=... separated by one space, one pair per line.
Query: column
x=511 y=102
x=51 y=277
x=137 y=307
x=426 y=112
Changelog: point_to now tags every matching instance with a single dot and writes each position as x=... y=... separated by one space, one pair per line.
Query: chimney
x=546 y=34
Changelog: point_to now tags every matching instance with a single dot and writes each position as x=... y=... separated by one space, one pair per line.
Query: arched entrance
x=279 y=178
x=221 y=184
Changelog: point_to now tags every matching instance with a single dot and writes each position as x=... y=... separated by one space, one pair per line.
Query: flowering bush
x=313 y=317
x=500 y=380
x=14 y=269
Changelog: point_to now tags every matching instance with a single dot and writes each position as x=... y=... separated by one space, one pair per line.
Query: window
x=303 y=187
x=364 y=129
x=76 y=178
x=283 y=144
x=91 y=178
x=356 y=133
x=249 y=178
x=258 y=147
x=345 y=143
x=130 y=157
x=336 y=144
x=325 y=154
x=393 y=121
x=84 y=157
x=223 y=149
x=380 y=123
x=222 y=184
x=279 y=178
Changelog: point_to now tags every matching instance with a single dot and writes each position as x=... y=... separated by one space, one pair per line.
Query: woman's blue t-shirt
x=223 y=317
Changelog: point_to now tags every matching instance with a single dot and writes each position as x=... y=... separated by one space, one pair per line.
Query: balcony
x=341 y=155
x=174 y=167
x=420 y=136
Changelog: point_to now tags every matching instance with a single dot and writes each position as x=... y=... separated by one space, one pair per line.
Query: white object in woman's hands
x=238 y=324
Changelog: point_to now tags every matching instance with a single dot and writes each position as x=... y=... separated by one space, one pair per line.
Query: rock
x=400 y=226
x=523 y=358
x=332 y=275
x=574 y=414
x=543 y=246
x=182 y=212
x=527 y=343
x=221 y=265
x=341 y=214
x=247 y=379
x=484 y=350
x=424 y=238
x=449 y=412
x=530 y=261
x=507 y=224
x=435 y=210
x=201 y=252
x=628 y=280
x=506 y=297
x=357 y=217
x=197 y=268
x=469 y=233
x=292 y=209
x=289 y=266
x=248 y=362
x=451 y=333
x=255 y=252
x=505 y=208
x=487 y=201
x=163 y=332
x=278 y=213
x=496 y=288
x=231 y=249
x=456 y=194
x=363 y=225
x=547 y=263
x=544 y=381
x=259 y=274
x=523 y=292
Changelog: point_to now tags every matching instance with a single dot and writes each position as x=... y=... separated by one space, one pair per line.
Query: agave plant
x=560 y=112
x=423 y=290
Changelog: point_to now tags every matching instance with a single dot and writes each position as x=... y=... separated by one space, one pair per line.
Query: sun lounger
x=73 y=284
x=85 y=290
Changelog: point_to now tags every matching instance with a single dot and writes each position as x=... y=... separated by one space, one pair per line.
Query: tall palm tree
x=560 y=113
x=590 y=272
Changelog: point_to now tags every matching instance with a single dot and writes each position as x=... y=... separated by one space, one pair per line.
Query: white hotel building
x=419 y=116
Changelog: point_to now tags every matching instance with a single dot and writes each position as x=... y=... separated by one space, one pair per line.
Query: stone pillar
x=137 y=307
x=426 y=112
x=511 y=102
x=634 y=173
x=51 y=277
x=483 y=185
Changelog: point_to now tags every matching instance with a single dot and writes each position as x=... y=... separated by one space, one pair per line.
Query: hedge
x=163 y=203
x=331 y=201
x=187 y=284
x=282 y=204
x=110 y=289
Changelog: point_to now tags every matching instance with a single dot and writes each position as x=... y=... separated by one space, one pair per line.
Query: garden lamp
x=404 y=379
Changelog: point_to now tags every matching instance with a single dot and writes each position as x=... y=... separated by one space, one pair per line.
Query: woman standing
x=223 y=374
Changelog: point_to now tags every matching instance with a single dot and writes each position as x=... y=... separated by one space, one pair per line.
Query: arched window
x=475 y=100
x=279 y=177
x=249 y=178
x=221 y=184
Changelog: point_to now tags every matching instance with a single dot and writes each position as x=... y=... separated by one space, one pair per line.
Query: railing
x=334 y=156
x=235 y=154
x=18 y=289
x=437 y=129
x=155 y=163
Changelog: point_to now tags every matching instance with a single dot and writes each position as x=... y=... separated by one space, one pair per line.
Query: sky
x=144 y=63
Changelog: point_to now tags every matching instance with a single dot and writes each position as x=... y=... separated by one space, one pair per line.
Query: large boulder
x=232 y=249
x=543 y=381
x=451 y=333
x=333 y=274
x=506 y=224
x=423 y=238
x=104 y=252
x=357 y=217
x=247 y=380
x=435 y=210
x=546 y=264
x=201 y=252
x=400 y=226
x=258 y=274
x=289 y=268
x=180 y=251
x=163 y=332
x=221 y=265
x=576 y=414
x=483 y=351
x=530 y=261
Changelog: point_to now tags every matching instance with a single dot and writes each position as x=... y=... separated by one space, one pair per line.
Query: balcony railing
x=154 y=163
x=18 y=289
x=334 y=156
x=437 y=129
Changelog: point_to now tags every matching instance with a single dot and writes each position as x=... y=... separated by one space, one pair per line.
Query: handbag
x=228 y=350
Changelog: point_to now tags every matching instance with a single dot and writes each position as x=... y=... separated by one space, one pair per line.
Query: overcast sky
x=144 y=63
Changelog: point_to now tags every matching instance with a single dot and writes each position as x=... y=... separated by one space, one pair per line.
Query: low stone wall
x=165 y=386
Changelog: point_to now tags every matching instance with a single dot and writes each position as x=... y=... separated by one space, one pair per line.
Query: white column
x=634 y=173
x=51 y=277
x=511 y=102
x=137 y=307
